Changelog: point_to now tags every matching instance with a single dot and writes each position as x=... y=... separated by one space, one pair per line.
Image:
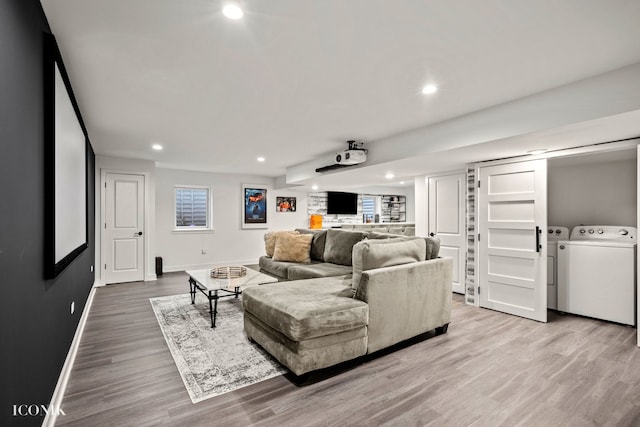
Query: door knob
x=432 y=234
x=139 y=233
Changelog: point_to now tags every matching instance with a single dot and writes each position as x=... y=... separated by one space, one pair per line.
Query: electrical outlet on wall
x=204 y=251
x=73 y=307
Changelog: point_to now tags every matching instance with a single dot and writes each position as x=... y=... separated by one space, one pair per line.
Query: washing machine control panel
x=555 y=233
x=604 y=232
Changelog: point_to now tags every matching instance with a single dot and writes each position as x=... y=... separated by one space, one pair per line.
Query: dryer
x=597 y=273
x=554 y=234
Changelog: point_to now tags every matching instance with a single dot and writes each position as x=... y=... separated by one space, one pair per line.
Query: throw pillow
x=370 y=254
x=317 y=244
x=270 y=240
x=339 y=244
x=293 y=248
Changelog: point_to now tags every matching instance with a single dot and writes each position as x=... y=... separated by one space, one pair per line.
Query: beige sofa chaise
x=397 y=289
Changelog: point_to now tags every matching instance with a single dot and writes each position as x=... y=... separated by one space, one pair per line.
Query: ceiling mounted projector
x=355 y=154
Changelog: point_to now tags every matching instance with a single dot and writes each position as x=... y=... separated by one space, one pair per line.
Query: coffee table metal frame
x=200 y=280
x=212 y=295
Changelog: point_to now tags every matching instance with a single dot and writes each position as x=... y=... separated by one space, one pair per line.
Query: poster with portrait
x=285 y=204
x=254 y=206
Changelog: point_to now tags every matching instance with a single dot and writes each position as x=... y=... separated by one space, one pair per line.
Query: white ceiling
x=295 y=79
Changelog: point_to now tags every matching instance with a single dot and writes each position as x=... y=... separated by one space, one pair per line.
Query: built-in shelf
x=394 y=208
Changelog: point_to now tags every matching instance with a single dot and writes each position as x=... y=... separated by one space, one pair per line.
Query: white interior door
x=446 y=221
x=123 y=251
x=513 y=241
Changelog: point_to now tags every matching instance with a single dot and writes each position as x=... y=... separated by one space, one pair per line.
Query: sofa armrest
x=406 y=300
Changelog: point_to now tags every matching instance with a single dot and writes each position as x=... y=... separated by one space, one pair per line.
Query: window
x=368 y=208
x=193 y=208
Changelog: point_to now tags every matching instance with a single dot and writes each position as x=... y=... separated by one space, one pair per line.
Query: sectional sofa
x=386 y=289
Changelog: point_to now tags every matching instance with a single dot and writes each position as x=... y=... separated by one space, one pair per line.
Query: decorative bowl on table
x=230 y=272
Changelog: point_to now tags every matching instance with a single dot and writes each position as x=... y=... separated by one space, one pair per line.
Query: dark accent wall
x=36 y=327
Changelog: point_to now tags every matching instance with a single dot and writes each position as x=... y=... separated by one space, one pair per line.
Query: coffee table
x=214 y=289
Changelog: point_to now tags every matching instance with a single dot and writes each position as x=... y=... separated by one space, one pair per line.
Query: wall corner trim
x=61 y=386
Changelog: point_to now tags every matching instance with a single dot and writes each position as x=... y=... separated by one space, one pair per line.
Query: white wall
x=597 y=193
x=421 y=208
x=148 y=168
x=228 y=243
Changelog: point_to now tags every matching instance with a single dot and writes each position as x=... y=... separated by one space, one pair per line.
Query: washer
x=554 y=234
x=597 y=273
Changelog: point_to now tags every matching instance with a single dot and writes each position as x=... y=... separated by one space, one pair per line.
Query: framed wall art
x=285 y=204
x=254 y=206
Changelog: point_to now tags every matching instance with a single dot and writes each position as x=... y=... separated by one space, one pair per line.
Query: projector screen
x=66 y=222
x=70 y=175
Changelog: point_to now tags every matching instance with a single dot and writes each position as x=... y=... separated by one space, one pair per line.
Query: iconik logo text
x=34 y=410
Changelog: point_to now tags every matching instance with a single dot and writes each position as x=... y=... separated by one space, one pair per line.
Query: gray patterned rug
x=211 y=361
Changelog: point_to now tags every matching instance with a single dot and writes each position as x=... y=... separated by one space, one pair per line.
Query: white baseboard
x=150 y=278
x=61 y=386
x=174 y=268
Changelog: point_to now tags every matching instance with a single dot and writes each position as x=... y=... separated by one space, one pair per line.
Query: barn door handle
x=538 y=233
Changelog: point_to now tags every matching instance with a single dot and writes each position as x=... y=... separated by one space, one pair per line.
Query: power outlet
x=204 y=251
x=73 y=307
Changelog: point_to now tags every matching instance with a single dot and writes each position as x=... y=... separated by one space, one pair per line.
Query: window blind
x=368 y=207
x=191 y=207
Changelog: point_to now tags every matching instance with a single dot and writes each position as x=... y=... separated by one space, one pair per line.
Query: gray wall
x=597 y=191
x=36 y=327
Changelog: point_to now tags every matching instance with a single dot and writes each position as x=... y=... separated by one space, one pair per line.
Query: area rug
x=211 y=361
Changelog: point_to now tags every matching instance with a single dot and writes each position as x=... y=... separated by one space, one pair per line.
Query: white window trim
x=209 y=228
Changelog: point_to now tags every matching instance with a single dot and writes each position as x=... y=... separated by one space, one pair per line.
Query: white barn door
x=446 y=221
x=513 y=245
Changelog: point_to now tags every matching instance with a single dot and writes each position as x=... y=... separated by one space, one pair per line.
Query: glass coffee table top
x=252 y=278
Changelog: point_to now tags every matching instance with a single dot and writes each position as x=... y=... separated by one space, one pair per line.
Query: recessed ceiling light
x=538 y=151
x=232 y=11
x=389 y=175
x=261 y=159
x=429 y=89
x=157 y=147
x=314 y=187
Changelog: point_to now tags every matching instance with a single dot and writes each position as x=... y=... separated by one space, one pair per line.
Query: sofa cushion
x=380 y=235
x=396 y=230
x=378 y=229
x=409 y=231
x=275 y=268
x=433 y=247
x=307 y=308
x=270 y=240
x=293 y=248
x=433 y=243
x=339 y=245
x=370 y=254
x=309 y=271
x=318 y=242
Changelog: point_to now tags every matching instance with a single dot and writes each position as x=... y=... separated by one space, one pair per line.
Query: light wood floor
x=490 y=369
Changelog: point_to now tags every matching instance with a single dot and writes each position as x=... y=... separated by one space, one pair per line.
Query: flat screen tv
x=342 y=203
